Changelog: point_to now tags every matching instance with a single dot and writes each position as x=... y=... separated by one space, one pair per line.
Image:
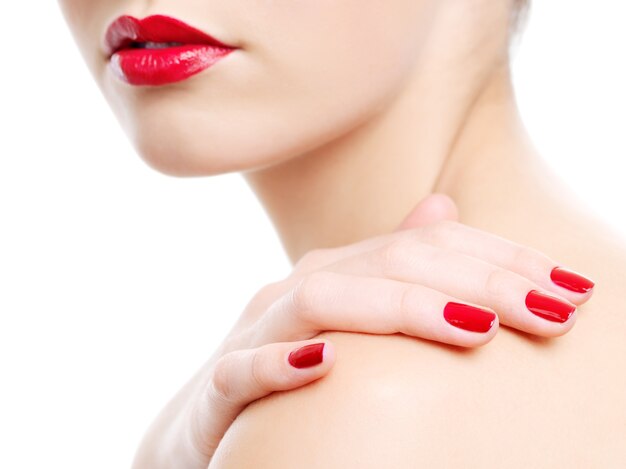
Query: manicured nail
x=571 y=280
x=468 y=317
x=549 y=307
x=309 y=355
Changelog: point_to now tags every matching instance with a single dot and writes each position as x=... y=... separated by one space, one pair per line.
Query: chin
x=177 y=139
x=192 y=129
x=188 y=145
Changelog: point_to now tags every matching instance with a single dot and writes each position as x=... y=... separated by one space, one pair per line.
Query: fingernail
x=468 y=317
x=571 y=280
x=309 y=355
x=549 y=307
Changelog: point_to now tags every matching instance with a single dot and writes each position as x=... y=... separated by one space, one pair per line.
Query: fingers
x=333 y=301
x=246 y=375
x=446 y=233
x=519 y=302
x=523 y=260
x=432 y=209
x=243 y=376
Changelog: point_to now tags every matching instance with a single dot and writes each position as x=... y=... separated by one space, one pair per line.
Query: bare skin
x=342 y=117
x=394 y=401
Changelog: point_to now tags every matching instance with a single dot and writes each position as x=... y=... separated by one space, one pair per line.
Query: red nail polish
x=468 y=317
x=307 y=356
x=571 y=280
x=549 y=307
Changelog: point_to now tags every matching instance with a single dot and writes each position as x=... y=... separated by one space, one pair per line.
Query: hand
x=432 y=278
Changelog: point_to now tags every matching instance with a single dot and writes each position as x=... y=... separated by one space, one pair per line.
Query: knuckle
x=231 y=342
x=393 y=255
x=261 y=300
x=497 y=283
x=312 y=259
x=405 y=307
x=409 y=253
x=307 y=293
x=199 y=439
x=530 y=258
x=221 y=381
x=258 y=372
x=413 y=305
x=440 y=232
x=270 y=289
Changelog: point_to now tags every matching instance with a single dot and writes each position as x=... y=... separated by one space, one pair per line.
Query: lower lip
x=156 y=67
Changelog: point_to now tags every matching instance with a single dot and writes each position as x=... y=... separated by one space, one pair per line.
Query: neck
x=469 y=144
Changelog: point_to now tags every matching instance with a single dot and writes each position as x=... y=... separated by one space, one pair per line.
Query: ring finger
x=519 y=302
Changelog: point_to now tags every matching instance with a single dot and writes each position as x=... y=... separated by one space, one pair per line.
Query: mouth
x=159 y=50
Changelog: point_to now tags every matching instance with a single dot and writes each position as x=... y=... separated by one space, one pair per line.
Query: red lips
x=159 y=50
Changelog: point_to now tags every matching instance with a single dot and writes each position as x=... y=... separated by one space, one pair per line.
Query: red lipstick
x=159 y=50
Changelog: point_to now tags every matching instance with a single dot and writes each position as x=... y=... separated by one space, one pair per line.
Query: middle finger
x=519 y=302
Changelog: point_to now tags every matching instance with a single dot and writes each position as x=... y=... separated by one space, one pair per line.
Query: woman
x=341 y=116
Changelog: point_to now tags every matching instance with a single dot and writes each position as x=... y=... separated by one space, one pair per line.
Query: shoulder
x=399 y=402
x=382 y=405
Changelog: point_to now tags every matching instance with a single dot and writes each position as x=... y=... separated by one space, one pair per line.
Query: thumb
x=430 y=209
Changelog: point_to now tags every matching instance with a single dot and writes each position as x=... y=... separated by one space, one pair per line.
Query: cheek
x=319 y=68
x=308 y=71
x=86 y=19
x=347 y=43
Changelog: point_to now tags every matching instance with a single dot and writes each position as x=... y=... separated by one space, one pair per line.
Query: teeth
x=156 y=45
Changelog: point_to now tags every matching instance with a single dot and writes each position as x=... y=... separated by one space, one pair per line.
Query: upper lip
x=125 y=30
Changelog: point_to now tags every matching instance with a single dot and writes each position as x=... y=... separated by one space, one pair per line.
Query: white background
x=117 y=282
